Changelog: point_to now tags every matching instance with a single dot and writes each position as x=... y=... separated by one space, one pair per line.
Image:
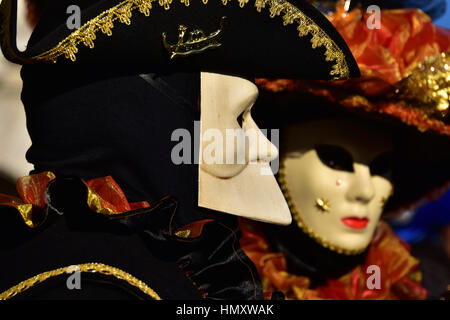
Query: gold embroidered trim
x=87 y=267
x=306 y=26
x=123 y=13
x=306 y=229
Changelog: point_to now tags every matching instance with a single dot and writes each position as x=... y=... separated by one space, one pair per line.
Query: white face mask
x=336 y=173
x=234 y=173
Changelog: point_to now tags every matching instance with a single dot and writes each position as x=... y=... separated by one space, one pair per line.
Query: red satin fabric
x=387 y=55
x=111 y=195
x=104 y=193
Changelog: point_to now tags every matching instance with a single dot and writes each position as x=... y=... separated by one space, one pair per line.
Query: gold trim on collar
x=87 y=267
x=122 y=13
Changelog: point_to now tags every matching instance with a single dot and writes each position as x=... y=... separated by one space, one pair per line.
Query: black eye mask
x=338 y=158
x=382 y=164
x=335 y=157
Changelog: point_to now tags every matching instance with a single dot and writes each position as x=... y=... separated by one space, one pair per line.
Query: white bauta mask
x=335 y=174
x=234 y=172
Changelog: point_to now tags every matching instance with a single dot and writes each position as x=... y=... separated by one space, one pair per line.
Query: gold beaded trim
x=306 y=229
x=122 y=13
x=88 y=267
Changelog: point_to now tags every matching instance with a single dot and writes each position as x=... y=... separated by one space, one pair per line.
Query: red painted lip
x=355 y=222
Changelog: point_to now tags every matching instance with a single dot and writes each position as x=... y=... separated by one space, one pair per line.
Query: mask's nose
x=361 y=187
x=260 y=148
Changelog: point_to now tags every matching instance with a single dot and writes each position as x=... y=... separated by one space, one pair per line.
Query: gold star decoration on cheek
x=322 y=204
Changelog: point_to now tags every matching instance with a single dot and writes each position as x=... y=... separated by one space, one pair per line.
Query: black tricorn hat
x=270 y=38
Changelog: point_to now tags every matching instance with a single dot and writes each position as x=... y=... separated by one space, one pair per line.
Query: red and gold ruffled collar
x=400 y=277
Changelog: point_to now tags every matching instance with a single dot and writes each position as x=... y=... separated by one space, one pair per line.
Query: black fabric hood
x=120 y=125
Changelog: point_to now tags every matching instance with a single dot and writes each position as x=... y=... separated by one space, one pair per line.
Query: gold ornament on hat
x=427 y=88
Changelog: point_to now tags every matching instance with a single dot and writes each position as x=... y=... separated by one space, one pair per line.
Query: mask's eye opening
x=382 y=165
x=335 y=157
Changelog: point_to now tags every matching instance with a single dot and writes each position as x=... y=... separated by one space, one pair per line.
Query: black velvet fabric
x=141 y=242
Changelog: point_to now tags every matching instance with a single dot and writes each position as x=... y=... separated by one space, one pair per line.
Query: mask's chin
x=336 y=239
x=249 y=194
x=347 y=241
